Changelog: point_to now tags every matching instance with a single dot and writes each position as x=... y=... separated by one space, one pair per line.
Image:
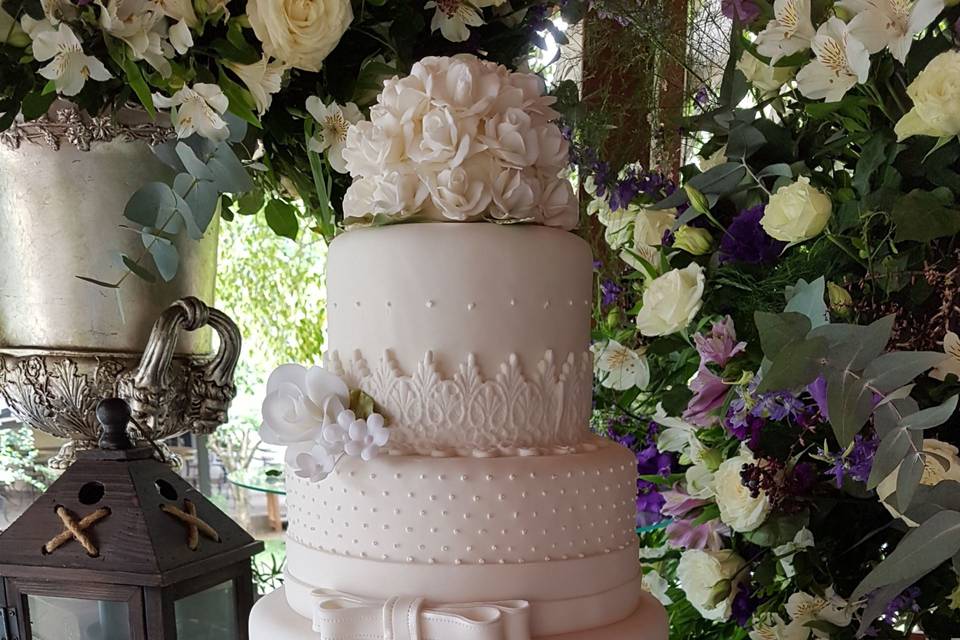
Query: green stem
x=836 y=241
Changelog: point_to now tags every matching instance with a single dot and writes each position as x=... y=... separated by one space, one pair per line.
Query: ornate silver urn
x=66 y=343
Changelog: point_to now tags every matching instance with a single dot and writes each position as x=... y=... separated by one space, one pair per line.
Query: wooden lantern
x=121 y=548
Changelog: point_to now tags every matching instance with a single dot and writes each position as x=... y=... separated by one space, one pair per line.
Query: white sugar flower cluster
x=460 y=139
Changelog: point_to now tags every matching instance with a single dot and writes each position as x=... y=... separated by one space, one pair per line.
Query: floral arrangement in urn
x=247 y=101
x=776 y=330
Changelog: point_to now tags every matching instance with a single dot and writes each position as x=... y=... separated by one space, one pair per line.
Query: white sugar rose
x=763 y=76
x=671 y=301
x=299 y=402
x=554 y=149
x=738 y=508
x=933 y=473
x=464 y=83
x=936 y=100
x=511 y=138
x=460 y=193
x=403 y=99
x=558 y=204
x=797 y=212
x=651 y=224
x=371 y=148
x=441 y=138
x=710 y=580
x=300 y=33
x=516 y=195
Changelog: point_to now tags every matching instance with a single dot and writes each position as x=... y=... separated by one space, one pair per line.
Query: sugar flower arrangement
x=319 y=420
x=460 y=139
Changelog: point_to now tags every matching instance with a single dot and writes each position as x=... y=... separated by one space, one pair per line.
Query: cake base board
x=272 y=619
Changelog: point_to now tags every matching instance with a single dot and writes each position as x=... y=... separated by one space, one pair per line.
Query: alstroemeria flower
x=299 y=402
x=334 y=121
x=890 y=24
x=619 y=367
x=70 y=67
x=791 y=31
x=842 y=62
x=452 y=17
x=142 y=26
x=262 y=79
x=180 y=37
x=951 y=363
x=197 y=109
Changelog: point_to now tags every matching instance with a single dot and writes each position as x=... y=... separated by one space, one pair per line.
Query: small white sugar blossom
x=306 y=410
x=197 y=109
x=69 y=66
x=334 y=121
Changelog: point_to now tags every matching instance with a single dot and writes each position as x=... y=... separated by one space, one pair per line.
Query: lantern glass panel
x=209 y=614
x=56 y=618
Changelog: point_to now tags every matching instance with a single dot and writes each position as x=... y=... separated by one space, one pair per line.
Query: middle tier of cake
x=415 y=509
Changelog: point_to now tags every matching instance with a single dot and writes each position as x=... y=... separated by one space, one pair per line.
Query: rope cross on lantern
x=76 y=530
x=195 y=526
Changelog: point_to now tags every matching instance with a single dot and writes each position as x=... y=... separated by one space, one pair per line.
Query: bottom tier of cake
x=273 y=619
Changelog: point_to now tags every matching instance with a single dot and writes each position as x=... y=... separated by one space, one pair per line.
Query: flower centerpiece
x=790 y=298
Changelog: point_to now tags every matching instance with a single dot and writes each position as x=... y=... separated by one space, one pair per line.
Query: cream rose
x=797 y=212
x=651 y=224
x=300 y=33
x=933 y=473
x=671 y=301
x=763 y=76
x=936 y=100
x=738 y=508
x=705 y=576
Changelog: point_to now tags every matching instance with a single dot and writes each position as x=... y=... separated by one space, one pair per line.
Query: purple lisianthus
x=720 y=345
x=903 y=603
x=745 y=240
x=744 y=605
x=743 y=11
x=818 y=391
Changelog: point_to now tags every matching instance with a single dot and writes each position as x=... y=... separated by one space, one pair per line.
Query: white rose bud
x=797 y=212
x=693 y=240
x=705 y=575
x=933 y=473
x=936 y=100
x=738 y=508
x=300 y=34
x=767 y=78
x=651 y=224
x=671 y=301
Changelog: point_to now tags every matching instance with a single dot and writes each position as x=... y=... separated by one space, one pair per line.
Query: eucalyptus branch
x=753 y=175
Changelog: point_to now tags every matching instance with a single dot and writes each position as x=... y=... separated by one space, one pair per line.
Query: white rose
x=299 y=402
x=558 y=204
x=516 y=195
x=936 y=100
x=301 y=33
x=405 y=99
x=671 y=301
x=358 y=200
x=370 y=148
x=933 y=473
x=763 y=76
x=463 y=83
x=440 y=138
x=554 y=149
x=705 y=575
x=796 y=212
x=511 y=138
x=738 y=508
x=460 y=193
x=651 y=224
x=398 y=194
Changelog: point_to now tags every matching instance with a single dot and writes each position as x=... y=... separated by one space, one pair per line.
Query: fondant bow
x=342 y=616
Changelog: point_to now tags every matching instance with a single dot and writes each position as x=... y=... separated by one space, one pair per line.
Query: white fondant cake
x=496 y=514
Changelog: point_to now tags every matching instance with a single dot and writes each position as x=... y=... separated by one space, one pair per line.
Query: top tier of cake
x=473 y=338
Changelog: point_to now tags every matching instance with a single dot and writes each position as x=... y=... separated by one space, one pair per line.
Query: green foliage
x=18 y=460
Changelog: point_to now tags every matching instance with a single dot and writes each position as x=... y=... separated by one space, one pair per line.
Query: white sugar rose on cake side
x=460 y=139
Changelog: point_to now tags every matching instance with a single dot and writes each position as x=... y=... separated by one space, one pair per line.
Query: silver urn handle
x=211 y=387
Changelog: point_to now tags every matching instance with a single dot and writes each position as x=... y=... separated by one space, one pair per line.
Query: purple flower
x=743 y=11
x=906 y=601
x=818 y=391
x=858 y=463
x=684 y=534
x=678 y=503
x=720 y=345
x=701 y=98
x=649 y=503
x=609 y=292
x=709 y=392
x=746 y=241
x=744 y=604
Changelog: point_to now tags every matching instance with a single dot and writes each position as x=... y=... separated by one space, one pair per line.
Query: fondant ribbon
x=342 y=616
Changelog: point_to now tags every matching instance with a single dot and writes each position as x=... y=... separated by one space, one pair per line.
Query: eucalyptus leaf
x=920 y=216
x=719 y=180
x=193 y=165
x=148 y=203
x=853 y=347
x=849 y=403
x=873 y=154
x=796 y=365
x=779 y=329
x=897 y=368
x=890 y=453
x=200 y=197
x=931 y=417
x=908 y=479
x=920 y=552
x=780 y=169
x=229 y=173
x=137 y=269
x=928 y=501
x=808 y=298
x=744 y=141
x=164 y=253
x=877 y=604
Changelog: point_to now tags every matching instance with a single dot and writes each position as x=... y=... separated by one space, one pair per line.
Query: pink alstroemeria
x=720 y=345
x=684 y=534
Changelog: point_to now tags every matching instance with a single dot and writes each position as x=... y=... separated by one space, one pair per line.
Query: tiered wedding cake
x=492 y=512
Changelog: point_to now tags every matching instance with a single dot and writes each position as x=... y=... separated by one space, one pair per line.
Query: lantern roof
x=118 y=515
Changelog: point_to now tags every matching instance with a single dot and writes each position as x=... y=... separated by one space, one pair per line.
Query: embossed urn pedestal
x=66 y=343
